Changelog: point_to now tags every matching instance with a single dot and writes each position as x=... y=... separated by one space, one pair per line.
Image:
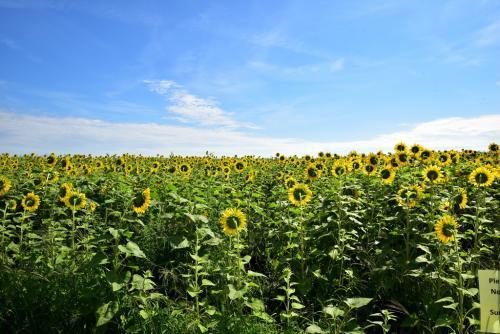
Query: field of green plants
x=362 y=243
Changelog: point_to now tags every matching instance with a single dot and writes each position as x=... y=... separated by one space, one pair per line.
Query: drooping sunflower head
x=75 y=200
x=409 y=196
x=141 y=201
x=400 y=147
x=299 y=195
x=433 y=174
x=11 y=205
x=64 y=191
x=481 y=177
x=387 y=175
x=446 y=228
x=460 y=200
x=30 y=202
x=5 y=185
x=52 y=177
x=233 y=221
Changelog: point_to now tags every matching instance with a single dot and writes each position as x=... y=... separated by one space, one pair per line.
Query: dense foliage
x=360 y=243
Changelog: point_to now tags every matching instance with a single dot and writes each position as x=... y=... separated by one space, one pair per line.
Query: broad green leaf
x=106 y=312
x=314 y=329
x=357 y=302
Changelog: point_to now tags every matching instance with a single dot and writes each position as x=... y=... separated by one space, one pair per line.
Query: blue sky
x=247 y=76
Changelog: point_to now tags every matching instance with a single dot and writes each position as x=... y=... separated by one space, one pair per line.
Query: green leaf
x=314 y=329
x=206 y=282
x=183 y=244
x=106 y=312
x=333 y=311
x=255 y=274
x=297 y=306
x=445 y=299
x=131 y=248
x=235 y=294
x=357 y=302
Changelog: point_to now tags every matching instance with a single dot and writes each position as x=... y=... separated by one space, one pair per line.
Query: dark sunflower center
x=448 y=230
x=30 y=202
x=233 y=222
x=75 y=200
x=312 y=172
x=339 y=170
x=403 y=157
x=299 y=194
x=401 y=148
x=415 y=149
x=171 y=169
x=425 y=154
x=139 y=200
x=481 y=178
x=50 y=160
x=290 y=183
x=63 y=192
x=38 y=181
x=432 y=175
x=355 y=165
x=184 y=168
x=385 y=174
x=443 y=158
x=373 y=160
x=239 y=166
x=369 y=168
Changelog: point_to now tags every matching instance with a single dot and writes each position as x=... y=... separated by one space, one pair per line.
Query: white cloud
x=22 y=133
x=188 y=108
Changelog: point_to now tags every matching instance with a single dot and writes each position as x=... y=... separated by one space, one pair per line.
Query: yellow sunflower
x=299 y=195
x=461 y=199
x=446 y=228
x=185 y=169
x=339 y=168
x=250 y=177
x=493 y=147
x=481 y=177
x=5 y=185
x=233 y=221
x=30 y=202
x=290 y=182
x=444 y=159
x=445 y=206
x=11 y=205
x=51 y=160
x=239 y=166
x=433 y=174
x=409 y=196
x=370 y=169
x=415 y=150
x=64 y=191
x=387 y=175
x=402 y=157
x=142 y=201
x=75 y=200
x=400 y=147
x=312 y=172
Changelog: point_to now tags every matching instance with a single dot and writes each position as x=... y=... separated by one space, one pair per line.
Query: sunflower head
x=369 y=169
x=299 y=195
x=141 y=201
x=409 y=196
x=64 y=191
x=446 y=228
x=400 y=147
x=387 y=175
x=481 y=177
x=415 y=149
x=493 y=147
x=290 y=182
x=51 y=160
x=75 y=200
x=11 y=205
x=433 y=174
x=5 y=185
x=30 y=202
x=233 y=221
x=312 y=172
x=460 y=200
x=250 y=177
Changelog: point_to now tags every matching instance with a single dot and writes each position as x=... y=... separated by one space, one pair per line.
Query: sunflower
x=312 y=172
x=5 y=185
x=142 y=201
x=299 y=195
x=240 y=166
x=425 y=155
x=339 y=168
x=355 y=164
x=387 y=175
x=461 y=199
x=233 y=221
x=444 y=159
x=445 y=228
x=75 y=200
x=290 y=182
x=64 y=191
x=481 y=177
x=52 y=177
x=250 y=177
x=185 y=169
x=433 y=174
x=445 y=206
x=493 y=147
x=51 y=160
x=400 y=147
x=369 y=169
x=11 y=205
x=372 y=159
x=30 y=202
x=409 y=196
x=402 y=157
x=415 y=150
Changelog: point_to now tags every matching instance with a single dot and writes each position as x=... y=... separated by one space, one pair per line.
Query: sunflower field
x=361 y=243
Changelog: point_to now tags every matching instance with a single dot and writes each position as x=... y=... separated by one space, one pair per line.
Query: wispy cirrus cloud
x=189 y=108
x=22 y=133
x=301 y=71
x=489 y=34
